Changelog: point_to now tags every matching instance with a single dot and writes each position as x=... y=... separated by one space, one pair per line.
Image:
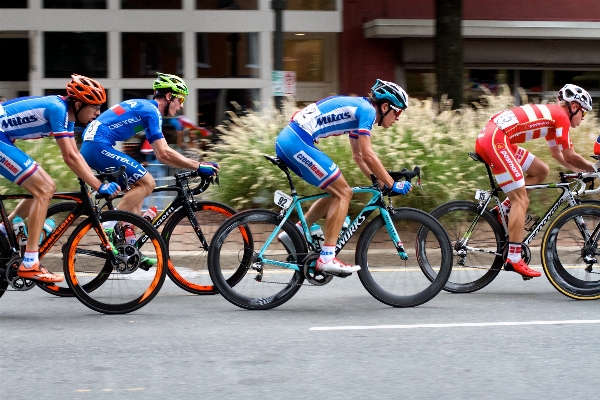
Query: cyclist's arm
x=367 y=160
x=76 y=162
x=167 y=155
x=570 y=159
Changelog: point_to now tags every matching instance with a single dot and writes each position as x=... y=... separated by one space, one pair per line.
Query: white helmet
x=574 y=93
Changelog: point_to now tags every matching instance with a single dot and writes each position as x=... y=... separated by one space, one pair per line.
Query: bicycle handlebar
x=112 y=175
x=398 y=175
x=204 y=181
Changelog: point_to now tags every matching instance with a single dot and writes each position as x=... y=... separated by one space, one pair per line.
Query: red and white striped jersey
x=534 y=121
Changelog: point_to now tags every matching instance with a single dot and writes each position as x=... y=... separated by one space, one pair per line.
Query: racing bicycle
x=392 y=250
x=568 y=248
x=102 y=270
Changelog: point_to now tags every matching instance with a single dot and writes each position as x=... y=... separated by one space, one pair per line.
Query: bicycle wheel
x=477 y=265
x=188 y=259
x=569 y=256
x=397 y=282
x=263 y=286
x=127 y=286
x=53 y=260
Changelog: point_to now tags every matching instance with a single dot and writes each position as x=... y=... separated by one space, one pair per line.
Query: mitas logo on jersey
x=336 y=116
x=305 y=159
x=17 y=121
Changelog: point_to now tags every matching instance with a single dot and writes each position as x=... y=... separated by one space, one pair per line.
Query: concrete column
x=266 y=62
x=190 y=108
x=114 y=67
x=113 y=4
x=35 y=4
x=189 y=5
x=517 y=85
x=36 y=68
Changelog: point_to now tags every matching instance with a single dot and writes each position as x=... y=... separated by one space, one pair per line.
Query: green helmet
x=166 y=83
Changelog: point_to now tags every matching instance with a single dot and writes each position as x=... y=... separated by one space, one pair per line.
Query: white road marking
x=458 y=325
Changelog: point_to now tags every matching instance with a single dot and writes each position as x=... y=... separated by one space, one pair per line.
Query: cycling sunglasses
x=180 y=97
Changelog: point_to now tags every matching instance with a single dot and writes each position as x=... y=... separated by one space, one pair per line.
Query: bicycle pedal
x=508 y=267
x=526 y=278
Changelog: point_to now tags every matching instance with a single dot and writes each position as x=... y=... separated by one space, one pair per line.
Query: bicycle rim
x=263 y=286
x=188 y=259
x=563 y=251
x=127 y=286
x=397 y=282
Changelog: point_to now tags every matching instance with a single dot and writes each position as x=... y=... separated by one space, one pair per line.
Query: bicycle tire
x=53 y=258
x=479 y=269
x=126 y=288
x=5 y=256
x=563 y=248
x=188 y=260
x=384 y=275
x=255 y=291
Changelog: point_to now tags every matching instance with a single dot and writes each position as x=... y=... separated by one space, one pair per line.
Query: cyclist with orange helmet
x=41 y=117
x=514 y=167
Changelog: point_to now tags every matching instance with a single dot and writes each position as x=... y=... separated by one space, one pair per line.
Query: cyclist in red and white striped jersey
x=514 y=167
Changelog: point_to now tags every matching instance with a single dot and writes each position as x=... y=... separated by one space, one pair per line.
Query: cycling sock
x=514 y=252
x=327 y=253
x=3 y=229
x=109 y=225
x=30 y=258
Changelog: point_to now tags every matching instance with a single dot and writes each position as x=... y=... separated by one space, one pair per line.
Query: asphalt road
x=512 y=340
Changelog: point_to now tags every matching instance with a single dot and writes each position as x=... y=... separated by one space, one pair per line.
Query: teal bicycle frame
x=375 y=203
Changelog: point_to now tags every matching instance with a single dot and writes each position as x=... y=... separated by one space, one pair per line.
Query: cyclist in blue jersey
x=333 y=116
x=124 y=120
x=40 y=117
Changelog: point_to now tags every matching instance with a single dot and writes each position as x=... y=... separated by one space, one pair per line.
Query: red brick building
x=536 y=44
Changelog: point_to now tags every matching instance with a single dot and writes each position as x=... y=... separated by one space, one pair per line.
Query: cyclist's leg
x=19 y=168
x=507 y=161
x=134 y=198
x=296 y=148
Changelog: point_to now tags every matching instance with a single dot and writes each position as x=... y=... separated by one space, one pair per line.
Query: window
x=13 y=3
x=420 y=84
x=69 y=52
x=213 y=103
x=306 y=58
x=224 y=55
x=18 y=67
x=144 y=54
x=151 y=4
x=227 y=4
x=318 y=5
x=101 y=4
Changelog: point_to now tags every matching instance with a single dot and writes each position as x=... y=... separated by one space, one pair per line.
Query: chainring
x=310 y=274
x=14 y=280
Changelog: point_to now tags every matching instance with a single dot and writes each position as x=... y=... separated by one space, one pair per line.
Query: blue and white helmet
x=389 y=91
x=574 y=93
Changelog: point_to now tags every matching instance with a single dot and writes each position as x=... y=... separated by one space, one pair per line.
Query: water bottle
x=317 y=234
x=129 y=234
x=20 y=230
x=346 y=223
x=49 y=226
x=150 y=214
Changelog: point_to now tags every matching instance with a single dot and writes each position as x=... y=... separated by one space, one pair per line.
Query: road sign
x=277 y=83
x=284 y=83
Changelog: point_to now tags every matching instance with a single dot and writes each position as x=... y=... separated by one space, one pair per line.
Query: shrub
x=439 y=142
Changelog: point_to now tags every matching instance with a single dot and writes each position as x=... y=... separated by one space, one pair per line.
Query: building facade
x=538 y=45
x=223 y=49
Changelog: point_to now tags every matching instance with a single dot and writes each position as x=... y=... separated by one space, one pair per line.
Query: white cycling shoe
x=335 y=266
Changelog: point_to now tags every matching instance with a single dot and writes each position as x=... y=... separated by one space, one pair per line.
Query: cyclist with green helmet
x=128 y=118
x=334 y=116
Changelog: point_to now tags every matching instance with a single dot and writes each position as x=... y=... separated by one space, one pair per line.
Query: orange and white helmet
x=574 y=93
x=85 y=89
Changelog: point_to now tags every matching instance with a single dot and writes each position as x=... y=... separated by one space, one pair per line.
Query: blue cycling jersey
x=124 y=120
x=337 y=115
x=36 y=117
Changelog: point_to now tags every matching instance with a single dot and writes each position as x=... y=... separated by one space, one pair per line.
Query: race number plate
x=482 y=195
x=282 y=200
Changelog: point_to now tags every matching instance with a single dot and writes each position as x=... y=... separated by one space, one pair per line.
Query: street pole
x=278 y=6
